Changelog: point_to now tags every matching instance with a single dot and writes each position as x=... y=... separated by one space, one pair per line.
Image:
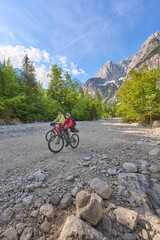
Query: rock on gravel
x=55 y=199
x=45 y=227
x=20 y=227
x=154 y=169
x=48 y=211
x=27 y=234
x=130 y=167
x=75 y=191
x=144 y=165
x=66 y=200
x=28 y=200
x=88 y=208
x=6 y=216
x=39 y=176
x=101 y=188
x=75 y=228
x=127 y=217
x=10 y=234
x=129 y=236
x=70 y=178
x=155 y=152
x=105 y=226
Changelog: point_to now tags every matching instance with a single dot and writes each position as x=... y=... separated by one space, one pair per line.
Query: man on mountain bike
x=60 y=118
x=69 y=126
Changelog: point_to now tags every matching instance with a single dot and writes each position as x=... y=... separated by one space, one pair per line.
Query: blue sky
x=78 y=35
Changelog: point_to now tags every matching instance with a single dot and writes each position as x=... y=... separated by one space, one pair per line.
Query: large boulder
x=101 y=188
x=75 y=228
x=127 y=217
x=88 y=208
x=141 y=192
x=130 y=167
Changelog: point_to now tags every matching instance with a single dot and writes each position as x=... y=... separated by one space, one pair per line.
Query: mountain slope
x=107 y=79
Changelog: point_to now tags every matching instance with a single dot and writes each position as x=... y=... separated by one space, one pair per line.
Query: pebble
x=28 y=200
x=66 y=200
x=70 y=178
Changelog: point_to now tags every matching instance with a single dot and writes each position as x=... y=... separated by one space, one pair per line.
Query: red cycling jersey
x=68 y=122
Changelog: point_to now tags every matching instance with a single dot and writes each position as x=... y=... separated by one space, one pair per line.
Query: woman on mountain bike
x=69 y=126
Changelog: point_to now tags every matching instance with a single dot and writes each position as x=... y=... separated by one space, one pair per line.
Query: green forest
x=22 y=97
x=139 y=96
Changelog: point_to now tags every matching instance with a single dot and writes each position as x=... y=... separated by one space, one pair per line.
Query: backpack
x=74 y=121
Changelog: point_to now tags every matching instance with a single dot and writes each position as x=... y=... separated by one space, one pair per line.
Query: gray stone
x=70 y=178
x=55 y=199
x=20 y=227
x=66 y=200
x=154 y=169
x=6 y=216
x=39 y=176
x=105 y=226
x=27 y=234
x=75 y=191
x=112 y=171
x=48 y=211
x=10 y=234
x=28 y=200
x=75 y=228
x=30 y=187
x=127 y=217
x=101 y=188
x=155 y=152
x=144 y=165
x=130 y=167
x=88 y=158
x=88 y=208
x=129 y=236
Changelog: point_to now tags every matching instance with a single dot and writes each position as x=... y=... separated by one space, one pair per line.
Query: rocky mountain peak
x=146 y=48
x=110 y=76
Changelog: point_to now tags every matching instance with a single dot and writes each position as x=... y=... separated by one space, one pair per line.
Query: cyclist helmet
x=68 y=114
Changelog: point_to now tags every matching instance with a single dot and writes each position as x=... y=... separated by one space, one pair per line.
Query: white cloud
x=67 y=70
x=41 y=74
x=17 y=53
x=46 y=56
x=39 y=57
x=63 y=60
x=75 y=71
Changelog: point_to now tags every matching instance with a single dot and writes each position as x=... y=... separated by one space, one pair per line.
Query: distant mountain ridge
x=111 y=75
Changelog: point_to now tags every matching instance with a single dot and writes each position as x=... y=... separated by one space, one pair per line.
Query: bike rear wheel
x=56 y=143
x=74 y=140
x=50 y=134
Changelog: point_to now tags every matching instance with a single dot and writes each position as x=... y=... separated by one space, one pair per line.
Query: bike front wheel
x=74 y=140
x=56 y=143
x=50 y=134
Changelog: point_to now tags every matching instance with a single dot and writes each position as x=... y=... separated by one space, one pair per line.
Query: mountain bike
x=56 y=142
x=54 y=131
